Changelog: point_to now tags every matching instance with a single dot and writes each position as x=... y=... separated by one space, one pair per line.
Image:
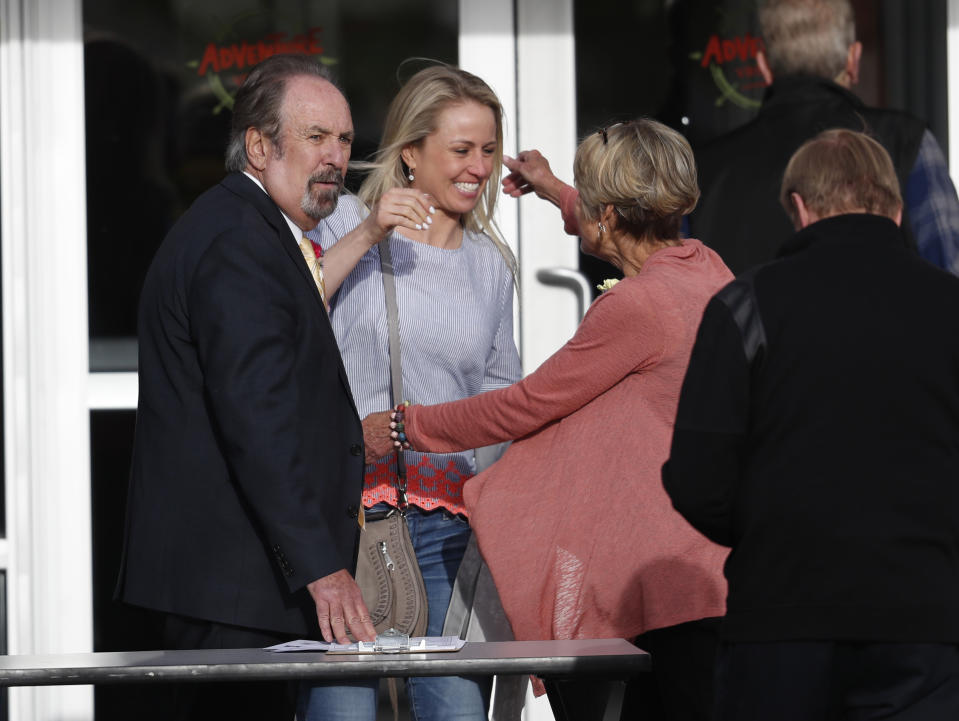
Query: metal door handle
x=571 y=279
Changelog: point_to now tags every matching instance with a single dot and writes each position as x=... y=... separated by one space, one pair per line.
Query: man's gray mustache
x=327 y=178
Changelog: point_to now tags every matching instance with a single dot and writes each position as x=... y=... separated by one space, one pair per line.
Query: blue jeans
x=439 y=540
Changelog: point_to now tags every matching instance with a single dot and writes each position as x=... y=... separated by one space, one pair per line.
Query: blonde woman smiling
x=431 y=191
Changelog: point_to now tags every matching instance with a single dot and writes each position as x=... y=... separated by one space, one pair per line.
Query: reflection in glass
x=691 y=64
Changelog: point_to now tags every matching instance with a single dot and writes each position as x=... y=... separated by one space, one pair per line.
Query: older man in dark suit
x=248 y=459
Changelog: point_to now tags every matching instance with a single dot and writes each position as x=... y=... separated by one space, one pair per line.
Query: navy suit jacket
x=248 y=458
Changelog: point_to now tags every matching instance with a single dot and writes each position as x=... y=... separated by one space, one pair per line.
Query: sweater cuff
x=568 y=197
x=409 y=422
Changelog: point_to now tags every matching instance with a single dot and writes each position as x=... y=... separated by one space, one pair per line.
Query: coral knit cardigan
x=579 y=535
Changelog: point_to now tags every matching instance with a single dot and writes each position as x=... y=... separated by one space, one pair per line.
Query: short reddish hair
x=841 y=171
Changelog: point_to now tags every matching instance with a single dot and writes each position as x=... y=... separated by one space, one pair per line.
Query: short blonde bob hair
x=841 y=171
x=645 y=170
x=412 y=117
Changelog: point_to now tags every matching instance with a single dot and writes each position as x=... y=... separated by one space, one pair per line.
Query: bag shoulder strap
x=392 y=320
x=396 y=369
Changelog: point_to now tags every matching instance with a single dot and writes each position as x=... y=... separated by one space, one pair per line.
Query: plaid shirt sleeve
x=933 y=206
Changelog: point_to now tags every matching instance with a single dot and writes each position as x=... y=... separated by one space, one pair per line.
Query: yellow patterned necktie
x=316 y=268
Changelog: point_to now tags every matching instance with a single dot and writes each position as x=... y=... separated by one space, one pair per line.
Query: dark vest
x=740 y=173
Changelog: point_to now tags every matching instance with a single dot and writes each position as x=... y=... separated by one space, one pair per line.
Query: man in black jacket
x=810 y=62
x=818 y=435
x=248 y=457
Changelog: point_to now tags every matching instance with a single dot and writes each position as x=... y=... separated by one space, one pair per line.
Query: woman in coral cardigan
x=573 y=521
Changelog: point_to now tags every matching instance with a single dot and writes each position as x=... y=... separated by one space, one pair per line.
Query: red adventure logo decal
x=238 y=58
x=732 y=64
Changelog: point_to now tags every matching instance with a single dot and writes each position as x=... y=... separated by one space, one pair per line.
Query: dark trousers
x=680 y=687
x=238 y=701
x=829 y=681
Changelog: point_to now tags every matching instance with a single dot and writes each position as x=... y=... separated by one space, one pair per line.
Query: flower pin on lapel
x=607 y=284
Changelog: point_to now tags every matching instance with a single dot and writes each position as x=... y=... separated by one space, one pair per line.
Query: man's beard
x=319 y=203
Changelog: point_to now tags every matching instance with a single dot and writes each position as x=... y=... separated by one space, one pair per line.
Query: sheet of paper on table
x=418 y=644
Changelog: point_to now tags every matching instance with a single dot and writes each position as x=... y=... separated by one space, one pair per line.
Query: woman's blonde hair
x=645 y=170
x=411 y=117
x=841 y=171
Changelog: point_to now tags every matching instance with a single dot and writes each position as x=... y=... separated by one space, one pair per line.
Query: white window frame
x=47 y=554
x=525 y=51
x=952 y=83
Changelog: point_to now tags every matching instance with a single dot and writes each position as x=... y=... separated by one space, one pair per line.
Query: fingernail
x=429 y=219
x=432 y=209
x=419 y=227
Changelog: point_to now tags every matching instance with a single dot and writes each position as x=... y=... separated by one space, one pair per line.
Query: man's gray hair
x=807 y=37
x=259 y=101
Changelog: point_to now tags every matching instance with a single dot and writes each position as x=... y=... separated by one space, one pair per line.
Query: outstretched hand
x=376 y=435
x=339 y=606
x=530 y=172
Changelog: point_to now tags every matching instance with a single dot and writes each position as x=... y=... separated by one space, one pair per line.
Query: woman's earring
x=410 y=176
x=602 y=228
